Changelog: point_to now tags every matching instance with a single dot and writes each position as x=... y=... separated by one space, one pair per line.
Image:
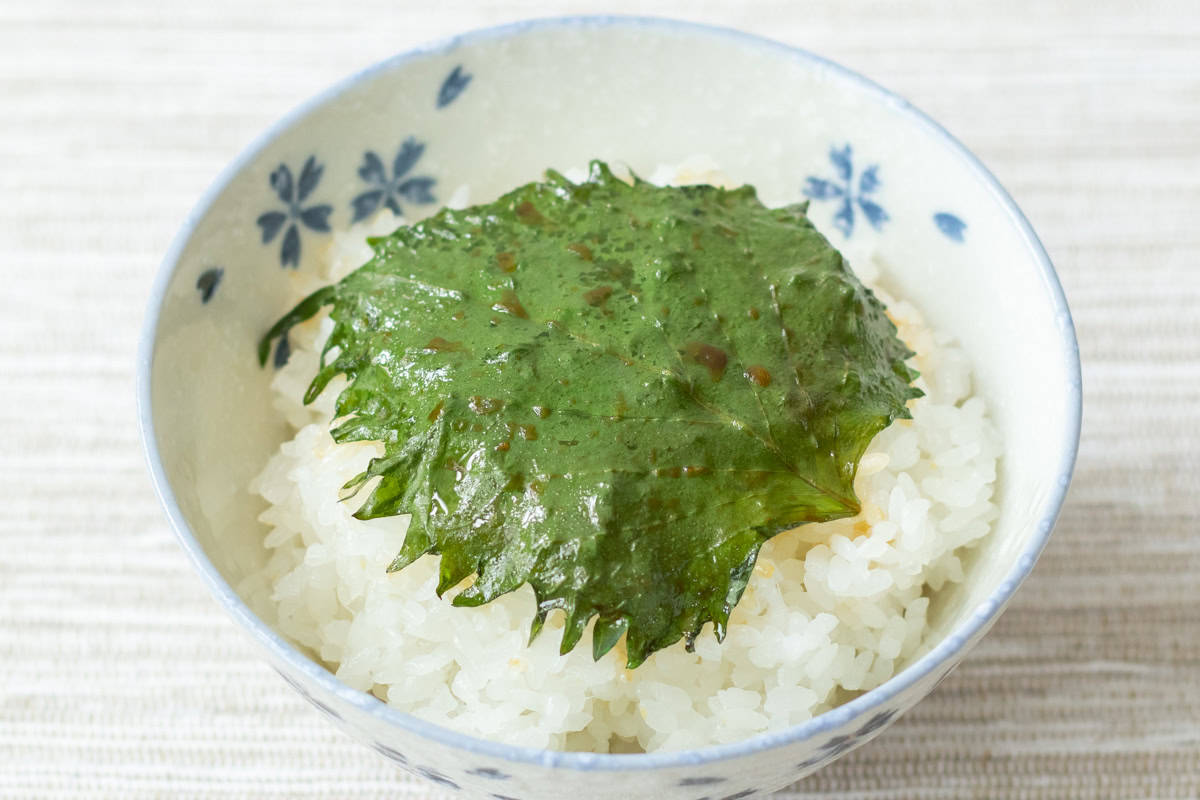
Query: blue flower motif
x=432 y=774
x=452 y=87
x=842 y=188
x=293 y=193
x=389 y=753
x=283 y=351
x=326 y=710
x=950 y=225
x=943 y=676
x=829 y=751
x=875 y=723
x=207 y=282
x=740 y=795
x=388 y=191
x=839 y=744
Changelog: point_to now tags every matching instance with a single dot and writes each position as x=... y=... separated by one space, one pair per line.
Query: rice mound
x=831 y=610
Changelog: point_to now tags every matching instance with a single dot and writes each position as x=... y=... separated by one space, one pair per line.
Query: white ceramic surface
x=493 y=109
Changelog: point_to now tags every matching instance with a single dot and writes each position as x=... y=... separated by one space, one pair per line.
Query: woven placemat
x=120 y=677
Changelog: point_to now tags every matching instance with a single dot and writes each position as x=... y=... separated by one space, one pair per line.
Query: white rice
x=831 y=610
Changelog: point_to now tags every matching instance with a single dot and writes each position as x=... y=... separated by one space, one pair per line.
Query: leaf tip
x=606 y=634
x=577 y=621
x=536 y=625
x=264 y=349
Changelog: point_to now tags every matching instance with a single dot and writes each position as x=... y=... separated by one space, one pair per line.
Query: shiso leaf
x=613 y=392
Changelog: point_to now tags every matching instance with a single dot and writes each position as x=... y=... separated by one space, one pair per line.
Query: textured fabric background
x=120 y=677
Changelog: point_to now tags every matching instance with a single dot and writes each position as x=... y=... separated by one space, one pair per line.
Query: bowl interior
x=495 y=110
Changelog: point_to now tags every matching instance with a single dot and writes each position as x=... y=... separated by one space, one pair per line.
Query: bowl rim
x=959 y=638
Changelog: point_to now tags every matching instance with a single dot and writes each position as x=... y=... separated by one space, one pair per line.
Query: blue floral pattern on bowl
x=307 y=695
x=402 y=761
x=283 y=351
x=390 y=754
x=842 y=188
x=208 y=281
x=740 y=795
x=433 y=775
x=835 y=746
x=950 y=224
x=293 y=193
x=453 y=86
x=387 y=191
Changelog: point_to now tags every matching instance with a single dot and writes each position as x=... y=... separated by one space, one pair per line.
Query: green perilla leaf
x=613 y=392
